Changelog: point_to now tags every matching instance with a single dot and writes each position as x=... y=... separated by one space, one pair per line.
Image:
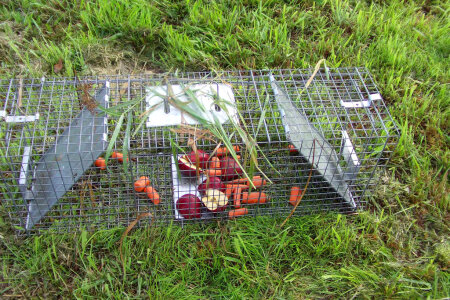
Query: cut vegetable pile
x=224 y=187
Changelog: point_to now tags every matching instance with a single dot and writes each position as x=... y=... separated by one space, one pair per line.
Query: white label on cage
x=207 y=96
x=107 y=93
x=373 y=97
x=2 y=113
x=24 y=167
x=364 y=103
x=21 y=119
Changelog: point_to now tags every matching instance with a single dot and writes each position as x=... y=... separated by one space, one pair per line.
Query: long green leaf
x=229 y=145
x=122 y=105
x=144 y=117
x=126 y=141
x=114 y=137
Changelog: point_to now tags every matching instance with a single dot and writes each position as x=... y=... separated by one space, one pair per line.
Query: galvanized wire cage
x=336 y=132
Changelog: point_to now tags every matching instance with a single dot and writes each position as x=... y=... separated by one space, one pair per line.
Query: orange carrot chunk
x=215 y=163
x=152 y=194
x=258 y=182
x=141 y=183
x=244 y=180
x=255 y=197
x=229 y=190
x=118 y=156
x=292 y=149
x=213 y=172
x=120 y=159
x=222 y=151
x=100 y=163
x=237 y=212
x=296 y=193
x=241 y=186
x=237 y=197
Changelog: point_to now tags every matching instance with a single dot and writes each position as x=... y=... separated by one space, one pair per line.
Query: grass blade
x=114 y=137
x=144 y=116
x=126 y=141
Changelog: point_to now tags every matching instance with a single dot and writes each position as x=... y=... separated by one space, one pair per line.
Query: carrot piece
x=292 y=149
x=120 y=159
x=244 y=197
x=296 y=193
x=237 y=197
x=141 y=183
x=118 y=156
x=215 y=163
x=241 y=186
x=258 y=182
x=152 y=194
x=255 y=197
x=229 y=190
x=243 y=180
x=100 y=163
x=237 y=212
x=213 y=172
x=222 y=151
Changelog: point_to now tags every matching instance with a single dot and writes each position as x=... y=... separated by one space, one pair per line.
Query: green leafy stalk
x=114 y=137
x=126 y=141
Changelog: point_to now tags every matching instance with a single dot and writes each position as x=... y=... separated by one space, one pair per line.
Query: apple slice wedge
x=215 y=200
x=187 y=167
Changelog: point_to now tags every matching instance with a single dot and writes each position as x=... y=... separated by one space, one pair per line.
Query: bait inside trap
x=189 y=147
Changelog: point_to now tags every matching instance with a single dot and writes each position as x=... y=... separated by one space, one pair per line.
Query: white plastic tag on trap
x=206 y=95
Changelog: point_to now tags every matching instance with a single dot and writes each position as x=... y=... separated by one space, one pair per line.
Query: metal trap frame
x=52 y=130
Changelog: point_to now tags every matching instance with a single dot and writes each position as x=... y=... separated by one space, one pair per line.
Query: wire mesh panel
x=286 y=140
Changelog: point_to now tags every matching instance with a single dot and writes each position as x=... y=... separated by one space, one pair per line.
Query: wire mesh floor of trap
x=341 y=110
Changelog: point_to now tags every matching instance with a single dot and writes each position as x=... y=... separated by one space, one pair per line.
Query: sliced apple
x=215 y=200
x=213 y=183
x=201 y=156
x=187 y=167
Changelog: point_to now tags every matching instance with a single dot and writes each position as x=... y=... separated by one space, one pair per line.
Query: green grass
x=398 y=249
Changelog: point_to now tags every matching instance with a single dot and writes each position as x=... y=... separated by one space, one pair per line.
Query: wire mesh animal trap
x=189 y=147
